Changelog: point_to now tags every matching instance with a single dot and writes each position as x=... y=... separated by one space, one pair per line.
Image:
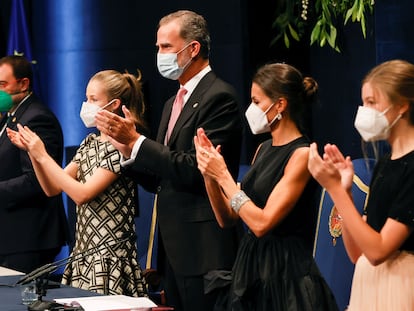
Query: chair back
x=146 y=228
x=329 y=250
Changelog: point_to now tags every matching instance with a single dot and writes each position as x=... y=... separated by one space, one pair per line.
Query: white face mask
x=257 y=119
x=167 y=64
x=89 y=111
x=372 y=124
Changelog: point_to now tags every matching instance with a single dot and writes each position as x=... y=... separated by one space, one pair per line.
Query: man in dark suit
x=192 y=244
x=32 y=226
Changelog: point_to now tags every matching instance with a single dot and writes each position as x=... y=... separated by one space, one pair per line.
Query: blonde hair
x=394 y=79
x=128 y=89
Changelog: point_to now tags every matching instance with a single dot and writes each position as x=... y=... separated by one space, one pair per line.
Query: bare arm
x=360 y=237
x=351 y=247
x=219 y=201
x=280 y=202
x=376 y=246
x=282 y=198
x=52 y=177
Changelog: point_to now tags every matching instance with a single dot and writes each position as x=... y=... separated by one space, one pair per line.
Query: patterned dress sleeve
x=110 y=158
x=78 y=154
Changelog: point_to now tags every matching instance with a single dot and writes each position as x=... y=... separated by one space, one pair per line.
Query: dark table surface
x=10 y=298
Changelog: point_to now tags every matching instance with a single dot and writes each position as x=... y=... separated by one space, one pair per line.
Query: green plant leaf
x=332 y=36
x=364 y=30
x=360 y=11
x=293 y=33
x=322 y=20
x=315 y=33
x=348 y=15
x=322 y=41
x=281 y=21
x=286 y=39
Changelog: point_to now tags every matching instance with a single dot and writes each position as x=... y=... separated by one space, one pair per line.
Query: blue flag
x=19 y=42
x=19 y=36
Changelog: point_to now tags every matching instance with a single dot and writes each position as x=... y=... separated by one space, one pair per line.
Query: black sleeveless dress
x=277 y=271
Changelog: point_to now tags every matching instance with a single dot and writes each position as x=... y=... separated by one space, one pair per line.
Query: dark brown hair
x=22 y=68
x=283 y=80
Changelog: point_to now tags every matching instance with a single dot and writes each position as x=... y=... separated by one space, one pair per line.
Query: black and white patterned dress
x=107 y=218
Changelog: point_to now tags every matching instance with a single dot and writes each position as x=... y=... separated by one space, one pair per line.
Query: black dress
x=277 y=271
x=391 y=195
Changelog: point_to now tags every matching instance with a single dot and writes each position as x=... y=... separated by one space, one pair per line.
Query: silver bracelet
x=238 y=200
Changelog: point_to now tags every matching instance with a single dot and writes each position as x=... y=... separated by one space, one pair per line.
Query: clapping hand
x=28 y=140
x=333 y=168
x=121 y=131
x=210 y=161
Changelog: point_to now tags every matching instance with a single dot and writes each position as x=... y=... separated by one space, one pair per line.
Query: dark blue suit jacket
x=192 y=239
x=29 y=220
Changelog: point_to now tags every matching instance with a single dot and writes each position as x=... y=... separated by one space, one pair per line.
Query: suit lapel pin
x=14 y=120
x=195 y=105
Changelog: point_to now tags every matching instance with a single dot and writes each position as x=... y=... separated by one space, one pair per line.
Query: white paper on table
x=112 y=302
x=6 y=272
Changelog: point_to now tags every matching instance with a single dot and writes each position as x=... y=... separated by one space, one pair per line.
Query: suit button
x=158 y=189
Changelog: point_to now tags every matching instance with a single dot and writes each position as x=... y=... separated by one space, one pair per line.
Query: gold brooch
x=335 y=225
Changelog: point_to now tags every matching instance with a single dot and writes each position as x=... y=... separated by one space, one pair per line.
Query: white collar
x=193 y=82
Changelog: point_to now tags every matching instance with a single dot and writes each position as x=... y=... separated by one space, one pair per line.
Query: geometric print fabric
x=108 y=217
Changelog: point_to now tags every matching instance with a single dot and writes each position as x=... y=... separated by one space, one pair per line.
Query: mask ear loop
x=270 y=107
x=183 y=68
x=278 y=117
x=102 y=108
x=386 y=110
x=394 y=122
x=186 y=46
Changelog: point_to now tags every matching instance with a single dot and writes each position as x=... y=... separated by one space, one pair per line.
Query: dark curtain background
x=389 y=36
x=73 y=39
x=78 y=38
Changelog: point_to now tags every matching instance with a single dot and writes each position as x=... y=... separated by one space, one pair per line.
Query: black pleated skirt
x=276 y=273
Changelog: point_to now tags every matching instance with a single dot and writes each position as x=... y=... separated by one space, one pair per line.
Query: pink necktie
x=175 y=112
